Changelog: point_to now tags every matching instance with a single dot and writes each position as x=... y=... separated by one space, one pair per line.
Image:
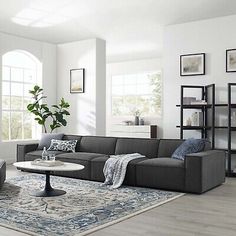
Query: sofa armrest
x=204 y=170
x=2 y=172
x=22 y=149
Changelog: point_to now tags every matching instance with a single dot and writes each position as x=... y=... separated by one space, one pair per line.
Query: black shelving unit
x=231 y=129
x=210 y=126
x=210 y=106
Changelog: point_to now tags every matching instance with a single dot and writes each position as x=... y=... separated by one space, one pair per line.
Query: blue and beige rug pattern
x=87 y=206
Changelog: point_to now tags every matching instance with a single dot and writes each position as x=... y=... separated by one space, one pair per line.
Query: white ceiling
x=133 y=29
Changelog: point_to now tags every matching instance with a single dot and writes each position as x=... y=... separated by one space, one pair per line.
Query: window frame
x=136 y=74
x=38 y=80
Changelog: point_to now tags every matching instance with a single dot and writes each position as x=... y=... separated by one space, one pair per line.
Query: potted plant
x=55 y=115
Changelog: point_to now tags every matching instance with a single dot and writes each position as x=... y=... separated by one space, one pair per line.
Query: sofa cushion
x=162 y=173
x=45 y=140
x=104 y=145
x=168 y=146
x=82 y=158
x=63 y=145
x=189 y=146
x=73 y=137
x=98 y=163
x=146 y=147
x=30 y=156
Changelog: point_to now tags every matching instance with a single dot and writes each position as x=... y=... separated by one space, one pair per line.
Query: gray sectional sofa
x=198 y=173
x=2 y=172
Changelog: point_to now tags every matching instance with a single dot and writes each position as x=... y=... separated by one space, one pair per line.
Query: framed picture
x=77 y=80
x=231 y=60
x=192 y=64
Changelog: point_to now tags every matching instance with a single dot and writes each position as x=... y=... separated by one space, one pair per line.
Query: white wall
x=46 y=53
x=87 y=109
x=131 y=67
x=213 y=37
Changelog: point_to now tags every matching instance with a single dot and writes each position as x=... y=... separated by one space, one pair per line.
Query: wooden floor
x=209 y=214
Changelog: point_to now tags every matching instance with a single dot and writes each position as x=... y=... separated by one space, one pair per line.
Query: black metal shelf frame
x=211 y=127
x=204 y=108
x=230 y=130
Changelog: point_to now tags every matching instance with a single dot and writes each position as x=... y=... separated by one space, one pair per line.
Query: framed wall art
x=231 y=60
x=192 y=64
x=77 y=80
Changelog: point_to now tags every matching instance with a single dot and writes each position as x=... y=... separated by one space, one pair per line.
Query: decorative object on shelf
x=233 y=119
x=77 y=80
x=141 y=121
x=127 y=122
x=137 y=114
x=197 y=119
x=188 y=100
x=231 y=60
x=55 y=116
x=199 y=102
x=189 y=122
x=192 y=64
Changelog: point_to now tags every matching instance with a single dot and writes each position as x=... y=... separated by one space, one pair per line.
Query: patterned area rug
x=86 y=207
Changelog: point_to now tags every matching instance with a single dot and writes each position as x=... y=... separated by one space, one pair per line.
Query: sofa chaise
x=199 y=172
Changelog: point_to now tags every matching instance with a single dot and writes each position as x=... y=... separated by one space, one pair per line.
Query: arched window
x=20 y=72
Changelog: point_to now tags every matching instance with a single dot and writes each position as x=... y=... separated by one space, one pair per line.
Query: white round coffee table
x=48 y=191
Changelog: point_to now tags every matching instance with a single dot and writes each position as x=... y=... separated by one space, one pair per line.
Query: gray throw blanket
x=115 y=168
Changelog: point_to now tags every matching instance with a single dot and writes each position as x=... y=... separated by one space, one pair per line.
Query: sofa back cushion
x=146 y=147
x=168 y=146
x=73 y=137
x=97 y=144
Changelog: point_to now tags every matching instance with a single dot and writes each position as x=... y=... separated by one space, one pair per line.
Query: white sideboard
x=134 y=131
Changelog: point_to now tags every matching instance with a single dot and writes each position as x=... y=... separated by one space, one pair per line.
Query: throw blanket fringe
x=115 y=168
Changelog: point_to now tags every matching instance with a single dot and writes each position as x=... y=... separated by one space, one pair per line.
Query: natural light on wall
x=134 y=92
x=20 y=72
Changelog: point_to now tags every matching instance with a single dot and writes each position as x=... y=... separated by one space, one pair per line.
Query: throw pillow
x=46 y=139
x=63 y=145
x=189 y=146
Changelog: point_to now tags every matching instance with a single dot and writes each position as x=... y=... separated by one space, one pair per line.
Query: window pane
x=143 y=89
x=28 y=87
x=130 y=79
x=137 y=92
x=117 y=80
x=16 y=103
x=5 y=73
x=6 y=102
x=16 y=89
x=117 y=105
x=29 y=76
x=26 y=101
x=16 y=74
x=16 y=125
x=5 y=125
x=27 y=125
x=130 y=90
x=130 y=105
x=5 y=88
x=117 y=90
x=142 y=79
x=143 y=103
